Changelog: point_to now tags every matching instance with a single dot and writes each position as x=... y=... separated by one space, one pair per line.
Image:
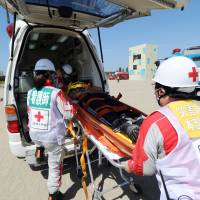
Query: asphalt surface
x=19 y=182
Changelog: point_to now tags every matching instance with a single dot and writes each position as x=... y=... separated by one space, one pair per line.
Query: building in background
x=142 y=61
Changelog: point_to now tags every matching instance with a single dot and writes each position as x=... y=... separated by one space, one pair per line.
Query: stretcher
x=116 y=142
x=112 y=145
x=96 y=122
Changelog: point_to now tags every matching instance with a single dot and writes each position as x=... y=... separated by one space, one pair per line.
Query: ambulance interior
x=61 y=47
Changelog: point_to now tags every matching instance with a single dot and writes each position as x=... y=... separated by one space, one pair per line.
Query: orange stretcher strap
x=103 y=112
x=120 y=108
x=71 y=131
x=114 y=108
x=87 y=104
x=83 y=167
x=106 y=109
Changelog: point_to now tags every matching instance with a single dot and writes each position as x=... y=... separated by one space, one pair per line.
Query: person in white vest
x=169 y=139
x=48 y=113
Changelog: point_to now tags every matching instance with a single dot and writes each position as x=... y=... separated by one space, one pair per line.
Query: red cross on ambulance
x=39 y=116
x=193 y=74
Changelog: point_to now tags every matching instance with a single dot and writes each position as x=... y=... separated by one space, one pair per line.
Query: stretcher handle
x=115 y=163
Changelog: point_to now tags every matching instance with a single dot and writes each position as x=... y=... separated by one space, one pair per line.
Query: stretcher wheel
x=135 y=188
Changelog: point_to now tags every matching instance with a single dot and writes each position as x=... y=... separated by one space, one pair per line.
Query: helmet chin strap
x=158 y=99
x=160 y=94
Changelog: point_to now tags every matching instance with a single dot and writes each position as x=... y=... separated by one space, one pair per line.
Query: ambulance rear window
x=101 y=8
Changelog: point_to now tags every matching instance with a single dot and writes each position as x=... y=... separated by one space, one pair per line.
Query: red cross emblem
x=193 y=74
x=39 y=116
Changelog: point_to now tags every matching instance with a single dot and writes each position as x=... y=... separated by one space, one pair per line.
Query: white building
x=142 y=61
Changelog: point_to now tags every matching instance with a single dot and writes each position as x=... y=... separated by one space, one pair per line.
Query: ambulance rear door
x=84 y=14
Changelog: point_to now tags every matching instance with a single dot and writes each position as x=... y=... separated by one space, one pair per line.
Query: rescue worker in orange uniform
x=169 y=139
x=48 y=113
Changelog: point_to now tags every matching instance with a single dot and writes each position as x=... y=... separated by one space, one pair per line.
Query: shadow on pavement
x=150 y=190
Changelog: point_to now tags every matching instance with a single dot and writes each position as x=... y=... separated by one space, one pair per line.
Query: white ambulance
x=57 y=29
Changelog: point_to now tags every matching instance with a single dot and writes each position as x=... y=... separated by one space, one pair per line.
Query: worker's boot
x=56 y=196
x=39 y=154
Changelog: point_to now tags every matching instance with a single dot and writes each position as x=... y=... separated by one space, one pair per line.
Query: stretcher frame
x=114 y=162
x=113 y=159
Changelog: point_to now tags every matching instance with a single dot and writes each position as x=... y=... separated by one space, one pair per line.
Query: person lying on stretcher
x=71 y=82
x=105 y=108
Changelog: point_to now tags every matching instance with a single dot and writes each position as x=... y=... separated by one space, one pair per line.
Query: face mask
x=158 y=100
x=158 y=97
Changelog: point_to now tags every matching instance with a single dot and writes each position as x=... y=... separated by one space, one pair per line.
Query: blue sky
x=167 y=29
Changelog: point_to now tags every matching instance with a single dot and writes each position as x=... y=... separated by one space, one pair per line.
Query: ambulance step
x=68 y=141
x=31 y=160
x=70 y=148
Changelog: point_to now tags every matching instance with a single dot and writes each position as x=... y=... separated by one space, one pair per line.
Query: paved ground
x=19 y=182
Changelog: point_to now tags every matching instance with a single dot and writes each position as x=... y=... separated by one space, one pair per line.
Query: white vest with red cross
x=181 y=167
x=46 y=123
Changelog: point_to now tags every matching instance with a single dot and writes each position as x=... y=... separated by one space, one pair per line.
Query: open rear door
x=86 y=13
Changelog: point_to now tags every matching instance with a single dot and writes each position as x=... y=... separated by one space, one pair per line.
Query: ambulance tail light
x=12 y=120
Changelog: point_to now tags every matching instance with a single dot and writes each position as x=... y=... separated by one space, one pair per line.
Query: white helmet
x=44 y=64
x=178 y=71
x=67 y=69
